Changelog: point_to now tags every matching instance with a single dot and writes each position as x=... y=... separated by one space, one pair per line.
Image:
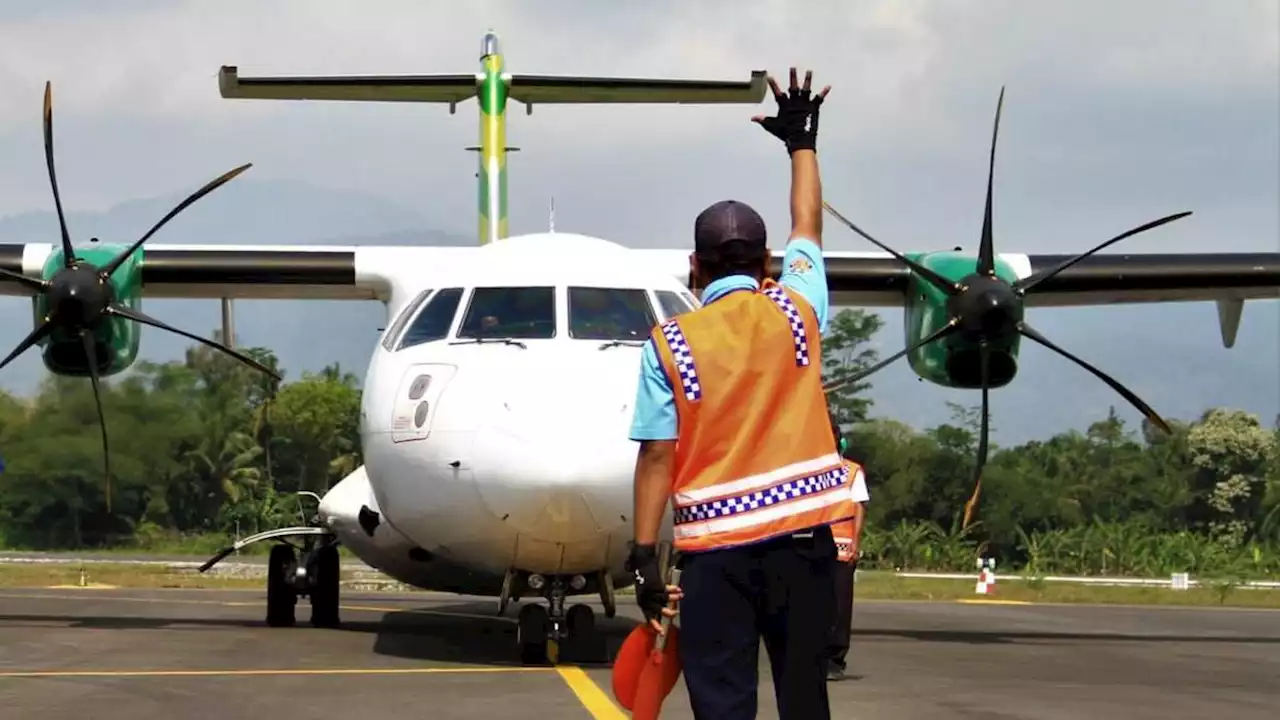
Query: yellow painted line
x=589 y=694
x=269 y=673
x=89 y=586
x=995 y=602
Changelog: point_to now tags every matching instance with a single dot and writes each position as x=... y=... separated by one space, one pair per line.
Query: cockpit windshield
x=510 y=312
x=609 y=314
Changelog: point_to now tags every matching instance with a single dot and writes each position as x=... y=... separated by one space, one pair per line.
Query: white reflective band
x=755 y=482
x=758 y=517
x=859 y=485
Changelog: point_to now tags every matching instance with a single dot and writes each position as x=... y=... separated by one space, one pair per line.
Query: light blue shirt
x=803 y=270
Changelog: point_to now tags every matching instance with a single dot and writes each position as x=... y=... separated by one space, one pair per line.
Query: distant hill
x=1171 y=355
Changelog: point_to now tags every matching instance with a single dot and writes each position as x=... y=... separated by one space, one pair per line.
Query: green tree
x=1232 y=451
x=845 y=351
x=315 y=424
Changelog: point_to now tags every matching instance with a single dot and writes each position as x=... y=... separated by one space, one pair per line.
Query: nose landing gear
x=547 y=635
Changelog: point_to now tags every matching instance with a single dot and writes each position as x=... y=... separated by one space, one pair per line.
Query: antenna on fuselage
x=551 y=220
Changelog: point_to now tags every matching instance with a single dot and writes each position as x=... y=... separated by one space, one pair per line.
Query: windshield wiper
x=616 y=343
x=482 y=340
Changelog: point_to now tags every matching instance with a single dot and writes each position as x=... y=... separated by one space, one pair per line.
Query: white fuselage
x=485 y=458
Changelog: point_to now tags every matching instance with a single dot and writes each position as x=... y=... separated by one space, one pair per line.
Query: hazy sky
x=1116 y=113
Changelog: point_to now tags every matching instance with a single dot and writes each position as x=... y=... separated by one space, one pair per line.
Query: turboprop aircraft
x=497 y=401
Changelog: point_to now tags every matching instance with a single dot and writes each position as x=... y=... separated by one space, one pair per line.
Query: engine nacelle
x=117 y=339
x=953 y=361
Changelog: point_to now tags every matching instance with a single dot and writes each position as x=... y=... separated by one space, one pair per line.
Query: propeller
x=986 y=310
x=80 y=296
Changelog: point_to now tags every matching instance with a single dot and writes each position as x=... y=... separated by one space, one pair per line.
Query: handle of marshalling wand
x=661 y=642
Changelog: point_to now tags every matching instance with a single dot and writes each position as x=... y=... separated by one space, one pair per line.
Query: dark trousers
x=839 y=645
x=780 y=590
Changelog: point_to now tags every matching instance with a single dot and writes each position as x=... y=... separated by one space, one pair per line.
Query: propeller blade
x=1029 y=332
x=91 y=356
x=36 y=336
x=139 y=316
x=984 y=353
x=208 y=188
x=68 y=253
x=1026 y=284
x=934 y=278
x=942 y=332
x=986 y=248
x=33 y=283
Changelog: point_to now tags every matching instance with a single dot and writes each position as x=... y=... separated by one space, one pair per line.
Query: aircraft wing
x=305 y=272
x=876 y=279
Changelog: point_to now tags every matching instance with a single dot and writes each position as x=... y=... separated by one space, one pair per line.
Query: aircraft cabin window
x=388 y=340
x=434 y=320
x=510 y=312
x=671 y=303
x=609 y=314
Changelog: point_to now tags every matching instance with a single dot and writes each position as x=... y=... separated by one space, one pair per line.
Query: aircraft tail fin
x=492 y=87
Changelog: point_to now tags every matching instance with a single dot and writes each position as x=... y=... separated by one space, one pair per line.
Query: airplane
x=497 y=401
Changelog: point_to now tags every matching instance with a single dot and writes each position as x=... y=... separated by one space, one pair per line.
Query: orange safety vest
x=754 y=454
x=845 y=531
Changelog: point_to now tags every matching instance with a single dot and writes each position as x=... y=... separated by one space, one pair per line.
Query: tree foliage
x=203 y=446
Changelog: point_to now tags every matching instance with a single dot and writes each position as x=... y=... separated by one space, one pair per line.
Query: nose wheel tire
x=532 y=633
x=281 y=597
x=585 y=644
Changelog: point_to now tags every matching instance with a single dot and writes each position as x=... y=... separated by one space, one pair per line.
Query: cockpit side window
x=609 y=314
x=389 y=339
x=671 y=303
x=510 y=312
x=435 y=319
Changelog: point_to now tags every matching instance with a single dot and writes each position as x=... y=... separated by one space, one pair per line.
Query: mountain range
x=1169 y=354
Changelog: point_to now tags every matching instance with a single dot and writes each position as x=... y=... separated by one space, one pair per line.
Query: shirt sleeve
x=805 y=271
x=860 y=493
x=654 y=416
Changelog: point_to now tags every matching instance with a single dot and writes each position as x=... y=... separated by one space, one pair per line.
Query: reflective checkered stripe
x=784 y=303
x=737 y=510
x=684 y=360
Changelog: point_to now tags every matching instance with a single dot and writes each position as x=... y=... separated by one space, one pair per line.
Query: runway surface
x=164 y=654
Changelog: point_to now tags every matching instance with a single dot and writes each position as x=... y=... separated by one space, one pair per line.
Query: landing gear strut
x=545 y=635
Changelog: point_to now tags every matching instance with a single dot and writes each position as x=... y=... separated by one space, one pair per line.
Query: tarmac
x=111 y=654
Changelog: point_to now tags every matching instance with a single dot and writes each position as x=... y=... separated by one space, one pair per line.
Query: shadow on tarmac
x=460 y=633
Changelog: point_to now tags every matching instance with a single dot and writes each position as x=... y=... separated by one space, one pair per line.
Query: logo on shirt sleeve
x=799 y=265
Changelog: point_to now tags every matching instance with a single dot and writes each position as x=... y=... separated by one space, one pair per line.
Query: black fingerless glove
x=651 y=591
x=796 y=123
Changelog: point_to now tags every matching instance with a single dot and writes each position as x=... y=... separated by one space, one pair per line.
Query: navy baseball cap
x=730 y=231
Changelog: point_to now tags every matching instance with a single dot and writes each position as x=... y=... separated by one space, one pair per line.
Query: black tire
x=585 y=643
x=281 y=597
x=531 y=634
x=324 y=592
